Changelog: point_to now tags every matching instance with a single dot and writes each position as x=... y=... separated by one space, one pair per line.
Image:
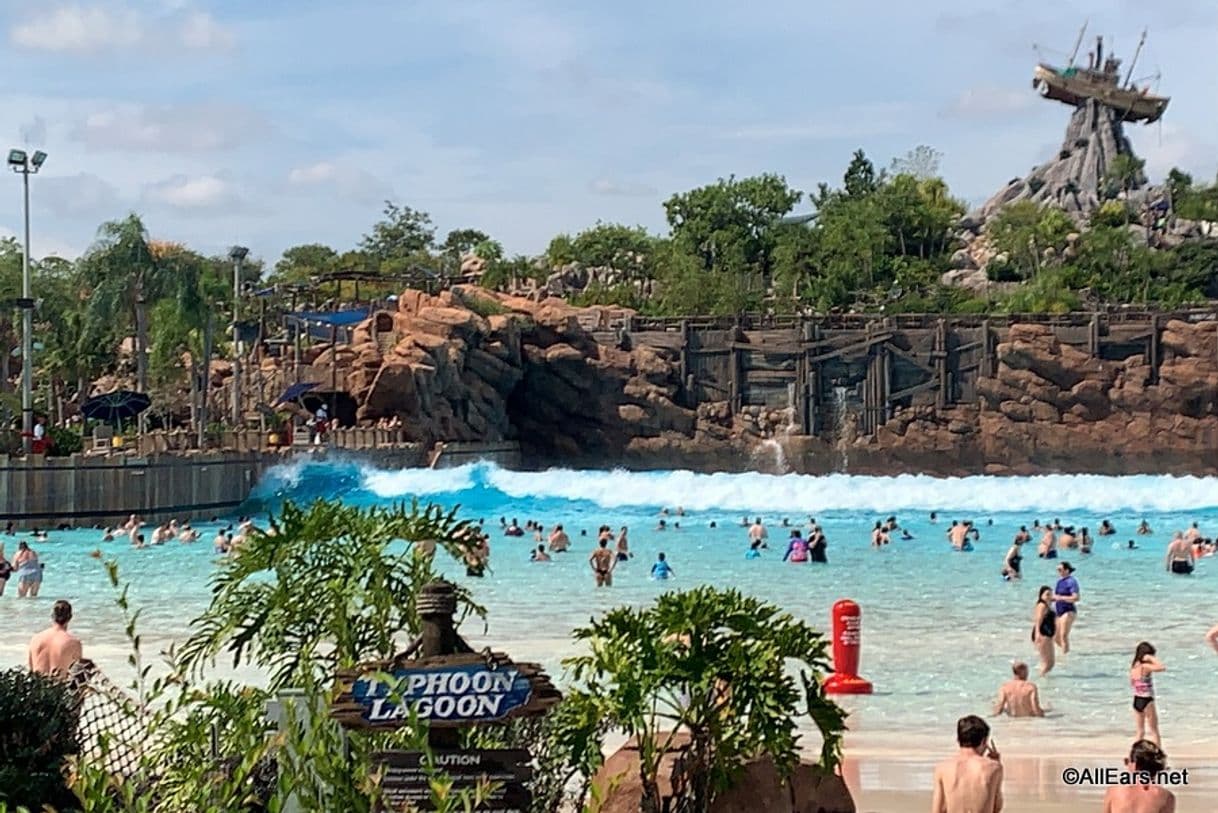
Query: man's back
x=1139 y=799
x=968 y=784
x=1020 y=698
x=54 y=650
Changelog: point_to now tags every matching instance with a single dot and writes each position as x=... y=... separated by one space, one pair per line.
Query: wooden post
x=333 y=370
x=1093 y=335
x=987 y=358
x=685 y=395
x=885 y=385
x=734 y=383
x=941 y=362
x=437 y=604
x=1154 y=349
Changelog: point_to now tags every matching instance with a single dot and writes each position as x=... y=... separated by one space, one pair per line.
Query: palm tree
x=123 y=276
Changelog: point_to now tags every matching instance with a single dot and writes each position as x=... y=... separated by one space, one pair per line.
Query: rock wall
x=469 y=364
x=1051 y=407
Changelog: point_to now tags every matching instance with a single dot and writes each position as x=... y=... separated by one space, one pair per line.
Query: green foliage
x=921 y=163
x=462 y=241
x=1024 y=230
x=1192 y=202
x=713 y=664
x=629 y=249
x=400 y=233
x=300 y=264
x=64 y=441
x=38 y=737
x=327 y=586
x=1124 y=172
x=860 y=179
x=1048 y=292
x=1112 y=213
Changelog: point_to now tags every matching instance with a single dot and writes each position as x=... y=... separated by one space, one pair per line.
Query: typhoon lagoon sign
x=446 y=690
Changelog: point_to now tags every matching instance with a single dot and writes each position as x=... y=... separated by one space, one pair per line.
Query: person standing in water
x=1044 y=628
x=817 y=545
x=602 y=561
x=54 y=650
x=623 y=545
x=879 y=537
x=1014 y=557
x=1047 y=548
x=797 y=549
x=1146 y=758
x=661 y=571
x=1179 y=556
x=1141 y=678
x=1066 y=595
x=6 y=569
x=28 y=570
x=758 y=532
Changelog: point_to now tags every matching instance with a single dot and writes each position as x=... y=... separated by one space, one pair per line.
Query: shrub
x=65 y=441
x=38 y=731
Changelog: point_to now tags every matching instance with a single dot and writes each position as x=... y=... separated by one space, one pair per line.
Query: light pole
x=26 y=165
x=237 y=254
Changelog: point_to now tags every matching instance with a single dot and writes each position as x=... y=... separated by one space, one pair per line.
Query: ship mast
x=1077 y=43
x=1136 y=54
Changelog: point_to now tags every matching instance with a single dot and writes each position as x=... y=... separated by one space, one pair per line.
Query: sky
x=270 y=123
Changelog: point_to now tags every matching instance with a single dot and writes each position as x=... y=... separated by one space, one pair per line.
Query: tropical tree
x=300 y=264
x=326 y=586
x=1024 y=230
x=921 y=163
x=462 y=241
x=399 y=234
x=714 y=665
x=123 y=277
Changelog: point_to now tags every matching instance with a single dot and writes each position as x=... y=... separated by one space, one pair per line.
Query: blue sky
x=271 y=123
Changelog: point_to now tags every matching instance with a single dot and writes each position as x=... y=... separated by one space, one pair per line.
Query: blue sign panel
x=469 y=693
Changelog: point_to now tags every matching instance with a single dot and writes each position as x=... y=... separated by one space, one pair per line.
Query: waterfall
x=840 y=426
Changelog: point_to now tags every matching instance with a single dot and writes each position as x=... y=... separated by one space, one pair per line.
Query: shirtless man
x=1179 y=556
x=1146 y=757
x=758 y=532
x=54 y=650
x=1019 y=697
x=559 y=541
x=603 y=561
x=971 y=781
x=623 y=546
x=1192 y=533
x=1067 y=540
x=1047 y=548
x=957 y=534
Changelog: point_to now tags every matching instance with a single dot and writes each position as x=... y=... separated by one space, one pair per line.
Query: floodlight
x=238 y=253
x=38 y=159
x=16 y=158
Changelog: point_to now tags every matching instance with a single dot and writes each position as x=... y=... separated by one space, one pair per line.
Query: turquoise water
x=939 y=628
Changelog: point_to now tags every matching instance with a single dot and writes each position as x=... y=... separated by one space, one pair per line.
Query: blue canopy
x=318 y=324
x=295 y=391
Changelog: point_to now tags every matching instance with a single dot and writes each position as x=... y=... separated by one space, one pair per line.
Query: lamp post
x=26 y=165
x=237 y=254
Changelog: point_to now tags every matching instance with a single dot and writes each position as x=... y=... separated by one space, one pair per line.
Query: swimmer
x=1067 y=540
x=662 y=526
x=661 y=571
x=817 y=545
x=797 y=549
x=744 y=522
x=623 y=545
x=879 y=537
x=1144 y=529
x=754 y=551
x=1010 y=565
x=933 y=517
x=108 y=536
x=602 y=562
x=540 y=555
x=1105 y=529
x=138 y=542
x=1141 y=678
x=1179 y=558
x=957 y=534
x=1047 y=548
x=713 y=524
x=513 y=529
x=1066 y=595
x=1018 y=697
x=1022 y=535
x=1084 y=541
x=1044 y=628
x=971 y=530
x=1131 y=545
x=559 y=541
x=786 y=523
x=906 y=536
x=758 y=531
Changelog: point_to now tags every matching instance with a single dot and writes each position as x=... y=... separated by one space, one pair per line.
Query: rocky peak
x=1074 y=179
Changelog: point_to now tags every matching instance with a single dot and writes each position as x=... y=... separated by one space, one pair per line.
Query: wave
x=748 y=492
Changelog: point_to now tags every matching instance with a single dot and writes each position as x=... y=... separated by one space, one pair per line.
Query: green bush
x=38 y=731
x=64 y=441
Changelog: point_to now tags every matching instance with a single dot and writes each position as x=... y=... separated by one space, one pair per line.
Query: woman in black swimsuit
x=1044 y=627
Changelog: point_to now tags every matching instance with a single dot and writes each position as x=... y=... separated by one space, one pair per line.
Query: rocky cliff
x=469 y=364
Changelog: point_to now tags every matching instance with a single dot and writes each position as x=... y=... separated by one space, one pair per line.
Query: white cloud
x=34 y=133
x=200 y=30
x=356 y=185
x=855 y=121
x=184 y=192
x=87 y=29
x=175 y=128
x=604 y=186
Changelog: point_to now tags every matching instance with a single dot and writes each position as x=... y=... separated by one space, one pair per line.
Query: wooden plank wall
x=871 y=366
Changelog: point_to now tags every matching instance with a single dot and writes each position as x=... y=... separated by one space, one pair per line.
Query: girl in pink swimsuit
x=1141 y=673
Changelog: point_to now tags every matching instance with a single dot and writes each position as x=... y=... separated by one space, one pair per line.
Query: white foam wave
x=809 y=494
x=409 y=482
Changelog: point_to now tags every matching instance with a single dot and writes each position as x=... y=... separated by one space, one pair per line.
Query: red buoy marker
x=847 y=646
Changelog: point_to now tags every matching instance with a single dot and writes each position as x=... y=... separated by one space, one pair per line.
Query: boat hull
x=1133 y=105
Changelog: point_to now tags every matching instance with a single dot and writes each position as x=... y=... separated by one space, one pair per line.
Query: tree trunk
x=141 y=341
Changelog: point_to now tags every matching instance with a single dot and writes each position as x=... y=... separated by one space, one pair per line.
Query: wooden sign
x=443 y=690
x=405 y=780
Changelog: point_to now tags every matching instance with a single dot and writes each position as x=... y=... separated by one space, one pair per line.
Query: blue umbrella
x=294 y=391
x=115 y=407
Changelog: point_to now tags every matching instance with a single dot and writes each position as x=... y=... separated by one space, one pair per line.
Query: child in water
x=661 y=571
